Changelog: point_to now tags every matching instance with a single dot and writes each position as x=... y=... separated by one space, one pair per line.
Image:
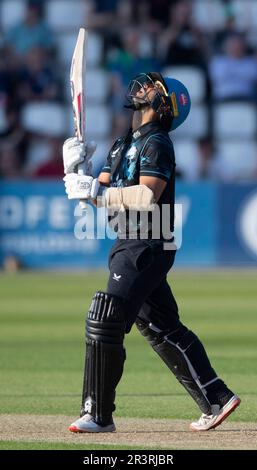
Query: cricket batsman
x=137 y=180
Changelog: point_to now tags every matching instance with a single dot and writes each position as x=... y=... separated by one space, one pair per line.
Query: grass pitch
x=42 y=319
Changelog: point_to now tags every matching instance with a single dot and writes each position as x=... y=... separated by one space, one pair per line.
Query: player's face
x=141 y=92
x=139 y=88
x=146 y=91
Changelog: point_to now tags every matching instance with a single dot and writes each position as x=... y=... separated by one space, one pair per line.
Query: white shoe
x=87 y=424
x=206 y=422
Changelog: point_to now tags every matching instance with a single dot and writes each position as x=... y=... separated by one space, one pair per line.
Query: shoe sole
x=222 y=417
x=77 y=430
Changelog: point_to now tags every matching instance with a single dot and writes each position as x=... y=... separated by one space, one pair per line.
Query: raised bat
x=77 y=82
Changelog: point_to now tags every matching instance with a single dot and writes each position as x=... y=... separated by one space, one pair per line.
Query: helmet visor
x=137 y=88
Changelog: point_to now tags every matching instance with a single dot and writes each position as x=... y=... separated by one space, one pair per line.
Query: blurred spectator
x=53 y=166
x=12 y=129
x=126 y=16
x=10 y=161
x=3 y=122
x=132 y=31
x=234 y=74
x=6 y=85
x=121 y=19
x=101 y=14
x=125 y=63
x=148 y=17
x=4 y=95
x=221 y=35
x=37 y=80
x=182 y=42
x=7 y=93
x=31 y=32
x=159 y=10
x=152 y=15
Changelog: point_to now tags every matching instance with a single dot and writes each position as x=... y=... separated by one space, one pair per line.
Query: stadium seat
x=65 y=44
x=234 y=120
x=253 y=16
x=209 y=14
x=94 y=50
x=66 y=15
x=98 y=122
x=187 y=159
x=97 y=85
x=47 y=119
x=237 y=160
x=11 y=13
x=146 y=45
x=244 y=13
x=192 y=77
x=196 y=125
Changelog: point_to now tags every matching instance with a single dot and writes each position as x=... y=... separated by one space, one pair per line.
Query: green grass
x=17 y=445
x=42 y=345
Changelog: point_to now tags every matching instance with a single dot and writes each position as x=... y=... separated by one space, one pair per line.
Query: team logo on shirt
x=131 y=153
x=131 y=162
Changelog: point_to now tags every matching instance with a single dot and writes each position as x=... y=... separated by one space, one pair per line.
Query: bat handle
x=82 y=203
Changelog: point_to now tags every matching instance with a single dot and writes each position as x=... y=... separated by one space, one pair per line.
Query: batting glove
x=75 y=152
x=81 y=186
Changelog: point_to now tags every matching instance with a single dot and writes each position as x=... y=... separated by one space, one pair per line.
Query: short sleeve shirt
x=148 y=151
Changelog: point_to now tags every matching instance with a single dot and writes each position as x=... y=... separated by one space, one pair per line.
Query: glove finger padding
x=75 y=152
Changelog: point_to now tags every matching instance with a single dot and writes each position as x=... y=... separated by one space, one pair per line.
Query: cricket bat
x=77 y=83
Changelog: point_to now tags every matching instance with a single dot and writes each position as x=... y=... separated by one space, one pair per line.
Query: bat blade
x=77 y=82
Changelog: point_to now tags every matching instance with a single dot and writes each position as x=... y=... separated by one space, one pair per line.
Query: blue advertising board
x=38 y=226
x=199 y=202
x=237 y=230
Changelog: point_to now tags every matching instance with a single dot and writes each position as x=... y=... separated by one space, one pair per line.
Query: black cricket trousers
x=138 y=275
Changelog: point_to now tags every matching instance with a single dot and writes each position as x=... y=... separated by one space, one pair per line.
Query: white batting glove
x=81 y=186
x=75 y=152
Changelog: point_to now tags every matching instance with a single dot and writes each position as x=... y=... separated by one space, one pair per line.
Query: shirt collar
x=146 y=129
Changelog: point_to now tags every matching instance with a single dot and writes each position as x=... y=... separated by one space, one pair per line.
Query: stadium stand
x=231 y=124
